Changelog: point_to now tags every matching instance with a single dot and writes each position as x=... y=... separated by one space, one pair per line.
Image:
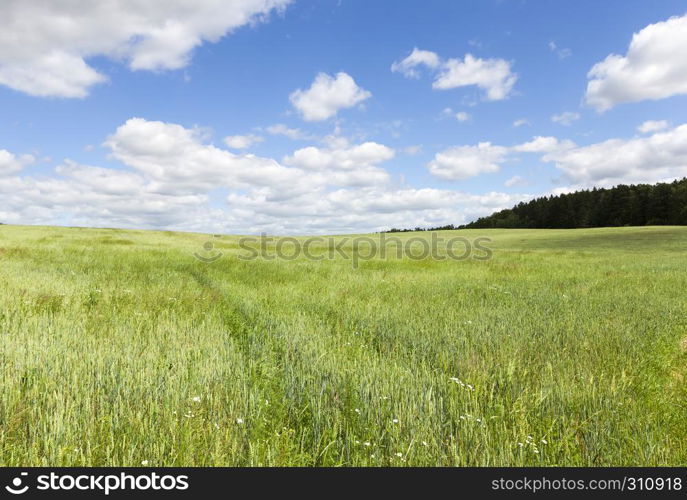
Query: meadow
x=121 y=348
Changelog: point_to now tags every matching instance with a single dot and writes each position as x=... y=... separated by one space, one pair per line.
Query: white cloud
x=416 y=58
x=461 y=116
x=176 y=159
x=653 y=68
x=52 y=74
x=94 y=196
x=45 y=45
x=372 y=208
x=650 y=126
x=91 y=196
x=104 y=180
x=560 y=52
x=11 y=164
x=327 y=95
x=242 y=141
x=521 y=122
x=294 y=134
x=659 y=157
x=462 y=162
x=363 y=155
x=170 y=177
x=345 y=165
x=516 y=180
x=566 y=118
x=541 y=144
x=492 y=75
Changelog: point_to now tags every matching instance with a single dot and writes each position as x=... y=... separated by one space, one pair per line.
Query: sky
x=330 y=116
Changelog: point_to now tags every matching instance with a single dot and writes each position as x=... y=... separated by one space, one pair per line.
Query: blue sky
x=170 y=116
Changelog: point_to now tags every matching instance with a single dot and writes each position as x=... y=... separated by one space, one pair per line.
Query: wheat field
x=121 y=348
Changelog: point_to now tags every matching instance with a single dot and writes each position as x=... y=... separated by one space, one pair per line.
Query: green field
x=568 y=347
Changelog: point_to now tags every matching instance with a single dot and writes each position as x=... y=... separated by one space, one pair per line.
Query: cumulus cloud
x=91 y=196
x=650 y=126
x=372 y=208
x=541 y=144
x=659 y=157
x=347 y=165
x=521 y=122
x=178 y=161
x=170 y=175
x=362 y=155
x=94 y=196
x=292 y=133
x=462 y=162
x=461 y=116
x=494 y=76
x=45 y=44
x=516 y=180
x=327 y=95
x=11 y=163
x=567 y=118
x=242 y=141
x=408 y=66
x=652 y=69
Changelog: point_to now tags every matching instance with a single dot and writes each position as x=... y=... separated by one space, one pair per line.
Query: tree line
x=624 y=205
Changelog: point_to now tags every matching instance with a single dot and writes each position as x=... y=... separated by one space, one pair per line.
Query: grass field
x=568 y=347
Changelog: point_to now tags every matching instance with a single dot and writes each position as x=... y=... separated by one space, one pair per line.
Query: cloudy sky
x=330 y=116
